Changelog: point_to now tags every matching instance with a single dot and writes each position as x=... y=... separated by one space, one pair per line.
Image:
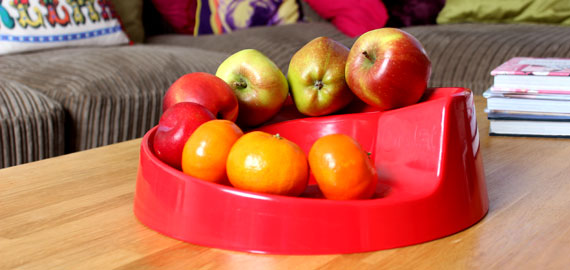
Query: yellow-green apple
x=260 y=86
x=175 y=126
x=205 y=89
x=388 y=68
x=316 y=77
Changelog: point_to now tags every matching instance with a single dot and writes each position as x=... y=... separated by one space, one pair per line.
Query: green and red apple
x=388 y=68
x=205 y=89
x=316 y=77
x=259 y=85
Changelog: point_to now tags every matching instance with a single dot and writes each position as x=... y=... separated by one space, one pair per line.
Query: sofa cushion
x=492 y=11
x=353 y=18
x=109 y=94
x=412 y=12
x=463 y=55
x=130 y=12
x=179 y=14
x=279 y=43
x=219 y=17
x=31 y=125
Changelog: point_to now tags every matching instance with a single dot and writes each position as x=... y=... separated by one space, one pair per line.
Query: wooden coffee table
x=76 y=212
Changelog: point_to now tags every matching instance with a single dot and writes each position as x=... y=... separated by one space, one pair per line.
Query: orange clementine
x=206 y=151
x=341 y=168
x=267 y=163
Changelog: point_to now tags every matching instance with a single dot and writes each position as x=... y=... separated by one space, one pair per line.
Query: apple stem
x=240 y=84
x=319 y=85
x=367 y=55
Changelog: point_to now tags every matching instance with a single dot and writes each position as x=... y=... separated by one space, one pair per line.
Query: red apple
x=387 y=68
x=205 y=89
x=175 y=127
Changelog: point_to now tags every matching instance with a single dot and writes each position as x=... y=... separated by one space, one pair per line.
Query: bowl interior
x=405 y=144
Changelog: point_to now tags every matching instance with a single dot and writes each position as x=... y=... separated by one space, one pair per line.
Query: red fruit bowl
x=431 y=184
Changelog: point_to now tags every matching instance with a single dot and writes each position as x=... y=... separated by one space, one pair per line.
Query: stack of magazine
x=530 y=97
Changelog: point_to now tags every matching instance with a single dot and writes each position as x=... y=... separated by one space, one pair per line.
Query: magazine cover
x=534 y=66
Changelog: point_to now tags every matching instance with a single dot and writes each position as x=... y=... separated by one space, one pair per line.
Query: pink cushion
x=180 y=14
x=352 y=17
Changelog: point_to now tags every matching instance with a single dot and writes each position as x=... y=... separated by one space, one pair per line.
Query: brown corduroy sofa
x=66 y=100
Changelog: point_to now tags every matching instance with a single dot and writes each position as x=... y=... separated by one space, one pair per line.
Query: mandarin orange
x=342 y=170
x=267 y=163
x=206 y=151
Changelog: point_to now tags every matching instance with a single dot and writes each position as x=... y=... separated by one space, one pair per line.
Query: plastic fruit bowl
x=431 y=185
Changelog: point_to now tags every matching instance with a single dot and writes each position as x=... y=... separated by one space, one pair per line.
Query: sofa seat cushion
x=110 y=94
x=463 y=55
x=279 y=43
x=31 y=125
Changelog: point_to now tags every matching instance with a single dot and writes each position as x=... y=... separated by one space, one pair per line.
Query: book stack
x=530 y=97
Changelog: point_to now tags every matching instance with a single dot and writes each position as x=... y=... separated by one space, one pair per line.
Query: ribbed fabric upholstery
x=464 y=54
x=279 y=43
x=31 y=125
x=109 y=94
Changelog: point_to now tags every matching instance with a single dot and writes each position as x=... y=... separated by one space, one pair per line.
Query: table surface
x=76 y=212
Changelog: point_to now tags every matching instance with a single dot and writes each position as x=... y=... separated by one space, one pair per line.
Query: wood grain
x=75 y=212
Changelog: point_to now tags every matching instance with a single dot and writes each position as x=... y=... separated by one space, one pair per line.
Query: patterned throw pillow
x=27 y=25
x=223 y=16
